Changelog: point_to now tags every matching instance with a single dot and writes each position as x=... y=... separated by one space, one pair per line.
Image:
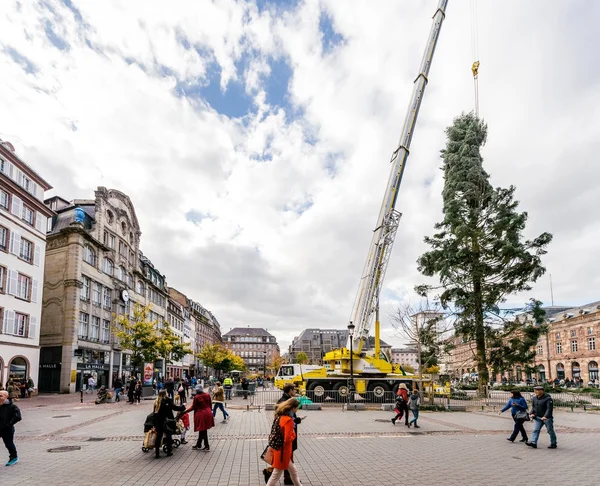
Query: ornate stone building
x=94 y=270
x=255 y=346
x=23 y=221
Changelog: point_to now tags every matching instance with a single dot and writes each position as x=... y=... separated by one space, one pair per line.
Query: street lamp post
x=351 y=385
x=264 y=367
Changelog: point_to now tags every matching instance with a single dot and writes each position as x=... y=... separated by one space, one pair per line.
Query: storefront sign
x=92 y=366
x=50 y=366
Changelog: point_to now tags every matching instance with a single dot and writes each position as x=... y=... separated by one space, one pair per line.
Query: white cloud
x=286 y=240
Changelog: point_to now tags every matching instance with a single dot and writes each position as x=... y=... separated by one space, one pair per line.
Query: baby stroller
x=150 y=434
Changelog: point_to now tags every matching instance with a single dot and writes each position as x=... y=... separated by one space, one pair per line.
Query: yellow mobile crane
x=373 y=371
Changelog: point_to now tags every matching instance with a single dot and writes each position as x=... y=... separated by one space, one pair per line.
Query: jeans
x=117 y=393
x=8 y=438
x=518 y=428
x=228 y=392
x=537 y=426
x=217 y=406
x=274 y=479
x=415 y=416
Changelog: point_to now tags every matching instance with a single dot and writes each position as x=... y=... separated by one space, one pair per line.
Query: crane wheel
x=379 y=390
x=318 y=392
x=342 y=390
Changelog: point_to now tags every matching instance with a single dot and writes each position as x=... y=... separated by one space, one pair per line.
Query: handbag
x=267 y=455
x=522 y=415
x=171 y=426
x=150 y=439
x=180 y=389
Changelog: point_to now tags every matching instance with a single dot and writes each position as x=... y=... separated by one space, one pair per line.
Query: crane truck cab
x=296 y=374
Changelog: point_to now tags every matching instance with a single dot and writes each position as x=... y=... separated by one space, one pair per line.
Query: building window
x=89 y=255
x=107 y=297
x=590 y=330
x=123 y=228
x=558 y=348
x=96 y=293
x=540 y=350
x=21 y=324
x=4 y=199
x=122 y=274
x=111 y=241
x=28 y=215
x=108 y=267
x=593 y=370
x=591 y=343
x=140 y=287
x=130 y=280
x=574 y=346
x=557 y=335
x=95 y=328
x=4 y=238
x=85 y=290
x=26 y=251
x=3 y=275
x=84 y=320
x=23 y=287
x=573 y=333
x=109 y=216
x=105 y=331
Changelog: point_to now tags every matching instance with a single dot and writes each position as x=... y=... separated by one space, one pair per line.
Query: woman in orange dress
x=284 y=459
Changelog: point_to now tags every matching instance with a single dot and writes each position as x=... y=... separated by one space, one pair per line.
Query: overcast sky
x=254 y=138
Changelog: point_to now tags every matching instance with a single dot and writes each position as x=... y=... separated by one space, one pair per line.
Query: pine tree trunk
x=482 y=370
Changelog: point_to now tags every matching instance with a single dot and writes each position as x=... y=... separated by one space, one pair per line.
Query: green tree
x=218 y=357
x=301 y=358
x=478 y=252
x=514 y=341
x=170 y=346
x=138 y=335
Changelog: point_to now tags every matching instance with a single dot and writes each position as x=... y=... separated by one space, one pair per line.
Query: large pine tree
x=478 y=252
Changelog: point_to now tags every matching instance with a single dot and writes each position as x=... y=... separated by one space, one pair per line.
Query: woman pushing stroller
x=164 y=422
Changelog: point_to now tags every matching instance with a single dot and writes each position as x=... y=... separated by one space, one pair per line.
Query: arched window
x=108 y=266
x=593 y=370
x=89 y=255
x=130 y=280
x=123 y=228
x=140 y=287
x=575 y=370
x=109 y=216
x=122 y=274
x=541 y=372
x=560 y=371
x=18 y=369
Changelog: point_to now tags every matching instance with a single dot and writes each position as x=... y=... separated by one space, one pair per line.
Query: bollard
x=81 y=398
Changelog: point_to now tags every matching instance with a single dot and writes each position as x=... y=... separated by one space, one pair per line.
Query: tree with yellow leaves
x=218 y=357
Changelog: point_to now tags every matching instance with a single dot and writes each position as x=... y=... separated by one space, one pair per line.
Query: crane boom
x=367 y=298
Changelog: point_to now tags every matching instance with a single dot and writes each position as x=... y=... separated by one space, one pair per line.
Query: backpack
x=276 y=436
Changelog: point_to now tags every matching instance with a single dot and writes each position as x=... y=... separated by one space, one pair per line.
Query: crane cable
x=475 y=51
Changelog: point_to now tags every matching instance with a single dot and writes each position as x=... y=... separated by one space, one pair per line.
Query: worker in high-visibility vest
x=228 y=385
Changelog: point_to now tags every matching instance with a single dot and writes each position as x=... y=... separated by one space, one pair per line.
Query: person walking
x=30 y=387
x=91 y=384
x=203 y=417
x=414 y=402
x=518 y=410
x=131 y=391
x=185 y=419
x=164 y=422
x=401 y=408
x=245 y=385
x=137 y=392
x=218 y=399
x=289 y=391
x=181 y=391
x=170 y=387
x=9 y=416
x=284 y=459
x=228 y=385
x=541 y=414
x=117 y=386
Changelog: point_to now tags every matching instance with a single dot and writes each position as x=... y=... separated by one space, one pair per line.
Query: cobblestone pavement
x=335 y=448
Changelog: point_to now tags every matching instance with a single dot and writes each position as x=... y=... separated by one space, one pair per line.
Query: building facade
x=257 y=347
x=405 y=356
x=571 y=348
x=316 y=342
x=23 y=222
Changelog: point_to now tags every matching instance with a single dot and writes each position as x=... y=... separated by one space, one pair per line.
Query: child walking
x=414 y=402
x=185 y=419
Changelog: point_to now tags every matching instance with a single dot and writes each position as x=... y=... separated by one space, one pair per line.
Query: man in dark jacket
x=9 y=416
x=541 y=414
x=245 y=387
x=170 y=387
x=289 y=391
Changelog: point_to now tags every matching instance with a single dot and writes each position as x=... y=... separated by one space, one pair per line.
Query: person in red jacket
x=203 y=417
x=284 y=459
x=401 y=404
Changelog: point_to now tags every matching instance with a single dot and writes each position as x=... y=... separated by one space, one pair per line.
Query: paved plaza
x=335 y=448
